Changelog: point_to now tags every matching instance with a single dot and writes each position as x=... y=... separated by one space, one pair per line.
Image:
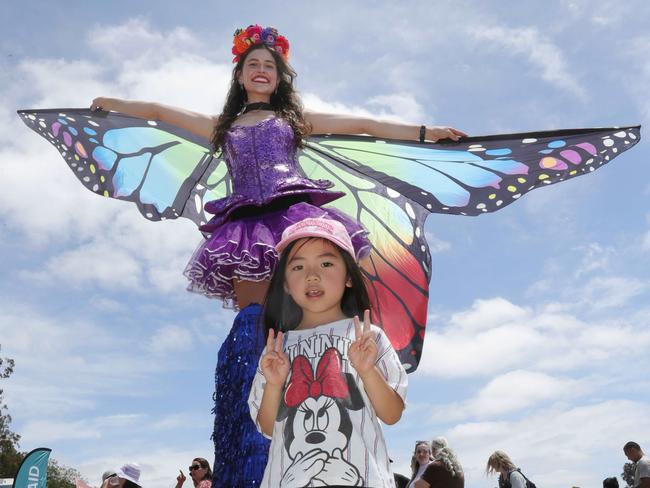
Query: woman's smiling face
x=259 y=73
x=422 y=453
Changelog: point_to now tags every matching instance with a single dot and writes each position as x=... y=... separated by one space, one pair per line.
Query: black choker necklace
x=257 y=106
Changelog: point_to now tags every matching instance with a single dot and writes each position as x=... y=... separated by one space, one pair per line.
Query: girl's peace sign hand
x=363 y=351
x=275 y=363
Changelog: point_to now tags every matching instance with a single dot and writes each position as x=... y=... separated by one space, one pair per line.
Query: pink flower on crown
x=254 y=32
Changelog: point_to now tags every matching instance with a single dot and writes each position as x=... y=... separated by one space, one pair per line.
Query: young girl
x=258 y=133
x=324 y=380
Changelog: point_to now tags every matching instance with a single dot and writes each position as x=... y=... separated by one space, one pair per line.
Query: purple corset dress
x=270 y=192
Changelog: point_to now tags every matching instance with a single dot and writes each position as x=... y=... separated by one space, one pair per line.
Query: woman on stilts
x=258 y=133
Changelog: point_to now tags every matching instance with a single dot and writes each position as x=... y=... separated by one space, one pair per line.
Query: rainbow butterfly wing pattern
x=165 y=171
x=391 y=186
x=397 y=270
x=479 y=174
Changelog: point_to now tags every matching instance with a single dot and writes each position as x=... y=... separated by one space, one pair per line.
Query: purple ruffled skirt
x=244 y=249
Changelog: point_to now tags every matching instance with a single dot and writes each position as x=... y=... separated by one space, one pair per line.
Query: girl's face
x=259 y=74
x=422 y=453
x=316 y=277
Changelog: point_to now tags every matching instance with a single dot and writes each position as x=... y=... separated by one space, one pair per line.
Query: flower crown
x=243 y=39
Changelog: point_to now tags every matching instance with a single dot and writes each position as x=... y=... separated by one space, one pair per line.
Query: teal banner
x=32 y=472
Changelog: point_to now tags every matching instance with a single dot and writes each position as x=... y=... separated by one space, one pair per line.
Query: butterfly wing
x=479 y=174
x=391 y=187
x=398 y=267
x=167 y=172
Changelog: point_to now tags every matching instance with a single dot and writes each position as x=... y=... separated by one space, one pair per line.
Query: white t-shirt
x=517 y=479
x=642 y=470
x=326 y=431
x=418 y=474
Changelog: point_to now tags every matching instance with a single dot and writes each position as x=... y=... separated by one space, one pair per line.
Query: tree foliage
x=10 y=458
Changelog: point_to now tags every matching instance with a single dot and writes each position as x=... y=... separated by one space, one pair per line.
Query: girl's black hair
x=285 y=100
x=282 y=313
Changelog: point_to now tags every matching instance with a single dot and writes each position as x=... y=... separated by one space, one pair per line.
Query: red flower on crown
x=243 y=39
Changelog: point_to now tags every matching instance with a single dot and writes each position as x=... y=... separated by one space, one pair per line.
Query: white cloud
x=495 y=336
x=98 y=263
x=436 y=244
x=602 y=13
x=541 y=52
x=403 y=104
x=611 y=291
x=52 y=430
x=139 y=40
x=595 y=258
x=80 y=361
x=396 y=107
x=511 y=392
x=487 y=314
x=170 y=339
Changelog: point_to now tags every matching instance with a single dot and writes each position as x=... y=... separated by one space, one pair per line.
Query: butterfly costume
x=260 y=184
x=268 y=194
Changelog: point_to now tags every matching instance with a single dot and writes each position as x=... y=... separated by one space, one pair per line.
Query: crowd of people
x=433 y=465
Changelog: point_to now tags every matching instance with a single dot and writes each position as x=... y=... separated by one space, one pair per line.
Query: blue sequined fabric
x=240 y=451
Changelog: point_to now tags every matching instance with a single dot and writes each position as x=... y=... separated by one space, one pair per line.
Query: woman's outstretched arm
x=346 y=124
x=200 y=124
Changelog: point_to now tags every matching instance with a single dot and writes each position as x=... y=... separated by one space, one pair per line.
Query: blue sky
x=538 y=335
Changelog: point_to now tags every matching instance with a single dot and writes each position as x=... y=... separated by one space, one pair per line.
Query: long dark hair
x=285 y=100
x=282 y=313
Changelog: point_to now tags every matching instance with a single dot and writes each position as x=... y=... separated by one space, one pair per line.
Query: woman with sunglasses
x=200 y=473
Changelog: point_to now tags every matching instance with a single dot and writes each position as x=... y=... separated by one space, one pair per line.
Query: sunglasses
x=194 y=466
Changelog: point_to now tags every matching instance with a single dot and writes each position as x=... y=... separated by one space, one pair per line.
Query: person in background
x=445 y=471
x=635 y=454
x=127 y=476
x=419 y=461
x=610 y=482
x=509 y=474
x=107 y=474
x=200 y=473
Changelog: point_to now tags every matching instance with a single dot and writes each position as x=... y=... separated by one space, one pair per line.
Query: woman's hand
x=102 y=103
x=275 y=363
x=363 y=351
x=180 y=479
x=438 y=132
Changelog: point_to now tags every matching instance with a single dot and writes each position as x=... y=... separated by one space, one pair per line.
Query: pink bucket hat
x=328 y=229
